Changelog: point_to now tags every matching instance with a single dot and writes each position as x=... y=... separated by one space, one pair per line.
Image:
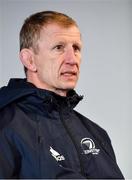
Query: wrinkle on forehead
x=56 y=30
x=53 y=33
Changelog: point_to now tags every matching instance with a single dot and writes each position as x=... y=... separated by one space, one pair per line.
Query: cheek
x=48 y=66
x=49 y=71
x=79 y=59
x=79 y=62
x=42 y=69
x=54 y=71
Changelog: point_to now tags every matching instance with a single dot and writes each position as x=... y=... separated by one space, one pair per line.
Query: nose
x=70 y=57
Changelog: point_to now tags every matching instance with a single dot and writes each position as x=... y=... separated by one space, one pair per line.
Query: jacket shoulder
x=91 y=125
x=6 y=115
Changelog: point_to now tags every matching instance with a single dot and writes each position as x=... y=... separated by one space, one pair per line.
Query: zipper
x=40 y=141
x=74 y=143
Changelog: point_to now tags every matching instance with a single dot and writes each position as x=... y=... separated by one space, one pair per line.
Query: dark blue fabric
x=34 y=121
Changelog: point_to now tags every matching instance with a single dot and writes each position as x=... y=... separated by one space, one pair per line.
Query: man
x=41 y=135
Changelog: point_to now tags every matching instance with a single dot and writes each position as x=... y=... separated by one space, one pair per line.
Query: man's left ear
x=27 y=59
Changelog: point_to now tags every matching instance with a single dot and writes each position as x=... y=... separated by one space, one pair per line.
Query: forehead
x=54 y=31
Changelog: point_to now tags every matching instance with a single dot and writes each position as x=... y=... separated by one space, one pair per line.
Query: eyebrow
x=64 y=41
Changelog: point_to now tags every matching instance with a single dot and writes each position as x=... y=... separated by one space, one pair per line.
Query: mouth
x=69 y=73
x=69 y=76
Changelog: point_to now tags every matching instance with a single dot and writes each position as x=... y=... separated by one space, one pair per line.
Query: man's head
x=50 y=44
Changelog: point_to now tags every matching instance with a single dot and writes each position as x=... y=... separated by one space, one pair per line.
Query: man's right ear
x=27 y=59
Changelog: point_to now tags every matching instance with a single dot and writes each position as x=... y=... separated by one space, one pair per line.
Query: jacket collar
x=19 y=88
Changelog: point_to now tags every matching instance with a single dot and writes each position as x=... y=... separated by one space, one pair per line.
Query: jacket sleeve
x=9 y=163
x=108 y=146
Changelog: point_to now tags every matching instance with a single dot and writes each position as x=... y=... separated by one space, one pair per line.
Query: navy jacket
x=42 y=136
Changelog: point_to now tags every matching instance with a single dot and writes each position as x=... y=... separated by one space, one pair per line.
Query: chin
x=69 y=86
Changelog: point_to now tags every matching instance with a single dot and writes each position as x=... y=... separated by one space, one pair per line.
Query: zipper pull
x=40 y=139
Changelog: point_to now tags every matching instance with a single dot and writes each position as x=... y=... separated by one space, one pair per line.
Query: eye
x=76 y=48
x=59 y=47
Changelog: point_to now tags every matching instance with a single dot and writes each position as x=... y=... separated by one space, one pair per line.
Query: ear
x=27 y=59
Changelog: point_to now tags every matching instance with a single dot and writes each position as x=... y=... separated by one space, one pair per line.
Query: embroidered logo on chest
x=56 y=155
x=88 y=146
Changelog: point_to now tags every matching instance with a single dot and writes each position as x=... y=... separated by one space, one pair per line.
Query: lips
x=69 y=73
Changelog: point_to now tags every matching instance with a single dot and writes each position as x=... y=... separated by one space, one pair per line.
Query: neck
x=40 y=85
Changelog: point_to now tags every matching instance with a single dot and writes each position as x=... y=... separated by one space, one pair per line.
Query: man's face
x=58 y=58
